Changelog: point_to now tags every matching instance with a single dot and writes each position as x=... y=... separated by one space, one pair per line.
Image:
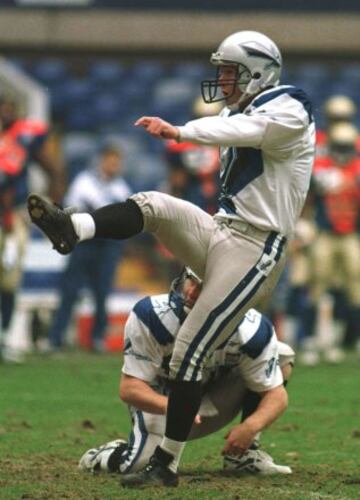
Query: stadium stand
x=108 y=95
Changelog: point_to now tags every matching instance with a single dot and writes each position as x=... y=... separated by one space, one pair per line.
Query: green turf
x=53 y=409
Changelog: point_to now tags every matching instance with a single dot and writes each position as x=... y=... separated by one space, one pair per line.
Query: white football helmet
x=258 y=61
x=176 y=296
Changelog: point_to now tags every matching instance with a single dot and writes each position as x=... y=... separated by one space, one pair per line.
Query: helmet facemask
x=211 y=89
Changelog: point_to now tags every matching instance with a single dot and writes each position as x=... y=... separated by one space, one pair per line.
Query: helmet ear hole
x=256 y=75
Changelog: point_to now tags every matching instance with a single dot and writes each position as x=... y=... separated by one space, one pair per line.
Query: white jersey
x=267 y=153
x=90 y=191
x=150 y=332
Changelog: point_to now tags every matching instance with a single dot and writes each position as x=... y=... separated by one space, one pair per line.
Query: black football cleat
x=54 y=221
x=156 y=473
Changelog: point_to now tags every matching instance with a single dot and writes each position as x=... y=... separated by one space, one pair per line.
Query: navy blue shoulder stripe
x=255 y=346
x=145 y=312
x=293 y=92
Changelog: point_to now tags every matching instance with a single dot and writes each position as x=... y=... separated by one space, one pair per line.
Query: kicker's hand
x=158 y=128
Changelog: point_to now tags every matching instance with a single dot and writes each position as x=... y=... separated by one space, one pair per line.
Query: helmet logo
x=252 y=52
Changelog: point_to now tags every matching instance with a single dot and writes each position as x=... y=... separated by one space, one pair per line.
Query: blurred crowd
x=318 y=300
x=316 y=306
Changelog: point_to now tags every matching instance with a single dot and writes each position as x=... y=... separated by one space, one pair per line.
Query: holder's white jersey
x=267 y=154
x=150 y=332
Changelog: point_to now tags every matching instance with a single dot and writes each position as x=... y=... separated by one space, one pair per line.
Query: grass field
x=52 y=410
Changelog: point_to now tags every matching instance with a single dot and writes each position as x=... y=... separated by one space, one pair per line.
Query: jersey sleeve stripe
x=145 y=312
x=255 y=346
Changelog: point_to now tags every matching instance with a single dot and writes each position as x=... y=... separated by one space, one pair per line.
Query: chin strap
x=236 y=105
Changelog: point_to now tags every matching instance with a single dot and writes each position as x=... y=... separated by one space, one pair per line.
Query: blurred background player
x=93 y=264
x=22 y=141
x=192 y=174
x=338 y=108
x=297 y=276
x=238 y=374
x=194 y=168
x=332 y=311
x=335 y=252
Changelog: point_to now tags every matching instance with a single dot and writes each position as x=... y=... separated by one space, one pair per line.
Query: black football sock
x=7 y=308
x=183 y=405
x=118 y=220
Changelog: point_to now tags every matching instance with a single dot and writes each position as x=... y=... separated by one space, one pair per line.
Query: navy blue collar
x=292 y=91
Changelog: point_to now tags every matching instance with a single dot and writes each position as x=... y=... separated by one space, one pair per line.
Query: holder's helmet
x=258 y=62
x=177 y=298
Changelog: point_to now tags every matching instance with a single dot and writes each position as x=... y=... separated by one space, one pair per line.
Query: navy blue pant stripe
x=228 y=318
x=223 y=325
x=225 y=304
x=144 y=436
x=221 y=308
